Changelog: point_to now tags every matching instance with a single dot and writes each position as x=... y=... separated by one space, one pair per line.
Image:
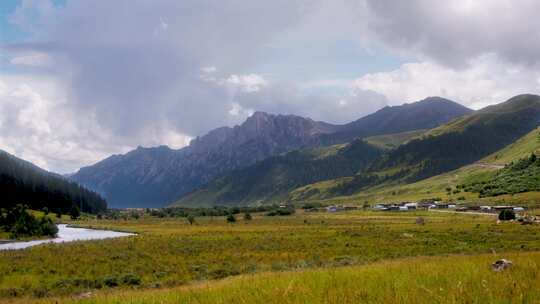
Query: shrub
x=75 y=213
x=247 y=216
x=280 y=212
x=131 y=279
x=231 y=218
x=110 y=281
x=191 y=219
x=311 y=205
x=507 y=215
x=47 y=227
x=20 y=223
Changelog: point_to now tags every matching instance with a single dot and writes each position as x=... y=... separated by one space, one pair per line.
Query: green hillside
x=392 y=141
x=344 y=171
x=519 y=177
x=446 y=148
x=436 y=186
x=271 y=180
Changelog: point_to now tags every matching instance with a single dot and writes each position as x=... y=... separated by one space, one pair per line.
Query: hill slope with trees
x=24 y=183
x=450 y=146
x=271 y=179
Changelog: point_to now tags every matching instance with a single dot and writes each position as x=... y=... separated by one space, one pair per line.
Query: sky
x=81 y=80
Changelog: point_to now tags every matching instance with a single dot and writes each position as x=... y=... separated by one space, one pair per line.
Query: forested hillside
x=464 y=141
x=448 y=147
x=272 y=178
x=23 y=183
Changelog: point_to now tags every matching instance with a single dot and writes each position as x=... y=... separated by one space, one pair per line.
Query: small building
x=331 y=209
x=380 y=207
x=411 y=206
x=424 y=204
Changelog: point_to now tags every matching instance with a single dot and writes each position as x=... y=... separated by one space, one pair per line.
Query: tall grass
x=453 y=279
x=170 y=252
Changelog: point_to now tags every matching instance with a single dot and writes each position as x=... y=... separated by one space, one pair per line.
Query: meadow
x=319 y=247
x=450 y=279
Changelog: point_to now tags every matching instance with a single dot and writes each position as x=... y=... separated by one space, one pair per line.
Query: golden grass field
x=349 y=257
x=448 y=279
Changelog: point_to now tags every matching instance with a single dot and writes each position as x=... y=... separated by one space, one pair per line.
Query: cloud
x=290 y=98
x=248 y=83
x=114 y=64
x=32 y=60
x=101 y=77
x=38 y=125
x=456 y=32
x=486 y=81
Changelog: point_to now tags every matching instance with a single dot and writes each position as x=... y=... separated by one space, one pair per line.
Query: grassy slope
x=206 y=196
x=452 y=279
x=170 y=252
x=462 y=141
x=443 y=149
x=270 y=180
x=391 y=141
x=435 y=186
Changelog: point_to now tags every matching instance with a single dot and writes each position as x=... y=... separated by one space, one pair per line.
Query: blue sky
x=8 y=32
x=310 y=60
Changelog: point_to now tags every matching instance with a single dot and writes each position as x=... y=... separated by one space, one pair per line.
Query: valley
x=269 y=152
x=304 y=219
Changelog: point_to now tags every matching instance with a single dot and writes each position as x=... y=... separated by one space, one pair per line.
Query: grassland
x=169 y=252
x=451 y=279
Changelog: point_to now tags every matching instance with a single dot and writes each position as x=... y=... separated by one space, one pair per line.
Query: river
x=68 y=234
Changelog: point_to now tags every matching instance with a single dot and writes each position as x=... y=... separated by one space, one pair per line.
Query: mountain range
x=155 y=177
x=421 y=155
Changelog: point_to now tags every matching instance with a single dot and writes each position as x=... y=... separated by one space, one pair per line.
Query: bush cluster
x=20 y=223
x=281 y=212
x=518 y=177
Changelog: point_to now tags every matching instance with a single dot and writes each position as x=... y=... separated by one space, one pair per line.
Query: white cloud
x=247 y=83
x=456 y=32
x=37 y=123
x=487 y=80
x=32 y=60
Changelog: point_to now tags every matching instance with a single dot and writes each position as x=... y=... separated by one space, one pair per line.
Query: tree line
x=23 y=183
